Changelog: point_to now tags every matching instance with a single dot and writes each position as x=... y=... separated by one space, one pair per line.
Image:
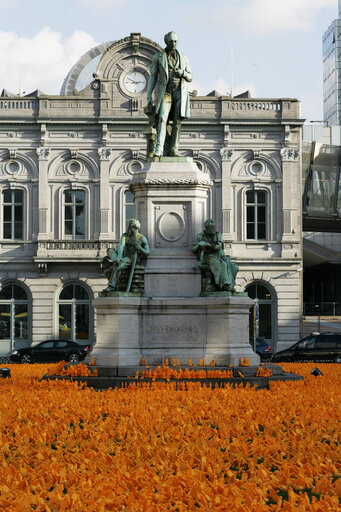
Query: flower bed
x=68 y=448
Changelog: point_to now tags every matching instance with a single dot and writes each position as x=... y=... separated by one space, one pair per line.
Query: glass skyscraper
x=332 y=72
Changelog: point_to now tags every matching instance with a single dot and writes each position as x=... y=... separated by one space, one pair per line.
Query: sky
x=271 y=47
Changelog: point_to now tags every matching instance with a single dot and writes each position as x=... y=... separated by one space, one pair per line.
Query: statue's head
x=171 y=40
x=133 y=226
x=209 y=226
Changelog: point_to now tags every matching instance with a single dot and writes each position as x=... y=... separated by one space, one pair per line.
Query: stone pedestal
x=171 y=203
x=172 y=320
x=213 y=327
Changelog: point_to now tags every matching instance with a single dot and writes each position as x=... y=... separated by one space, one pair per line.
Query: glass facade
x=332 y=74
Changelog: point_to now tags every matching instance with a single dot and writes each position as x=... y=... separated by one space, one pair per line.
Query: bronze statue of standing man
x=172 y=102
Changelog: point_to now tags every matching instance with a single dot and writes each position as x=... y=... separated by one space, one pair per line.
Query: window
x=13 y=214
x=74 y=313
x=74 y=213
x=129 y=208
x=14 y=318
x=256 y=215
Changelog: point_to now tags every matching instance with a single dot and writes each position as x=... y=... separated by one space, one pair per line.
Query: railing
x=68 y=248
x=257 y=106
x=322 y=309
x=19 y=104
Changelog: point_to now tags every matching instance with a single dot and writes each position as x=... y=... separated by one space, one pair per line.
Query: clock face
x=135 y=82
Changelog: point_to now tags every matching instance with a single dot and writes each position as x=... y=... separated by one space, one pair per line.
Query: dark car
x=51 y=351
x=263 y=349
x=316 y=347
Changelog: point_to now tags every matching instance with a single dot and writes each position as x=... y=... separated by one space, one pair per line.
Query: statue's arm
x=186 y=73
x=198 y=244
x=152 y=78
x=119 y=250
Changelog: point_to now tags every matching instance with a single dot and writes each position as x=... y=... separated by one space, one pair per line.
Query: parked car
x=316 y=347
x=51 y=351
x=263 y=349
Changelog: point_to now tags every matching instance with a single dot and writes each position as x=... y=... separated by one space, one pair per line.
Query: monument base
x=215 y=328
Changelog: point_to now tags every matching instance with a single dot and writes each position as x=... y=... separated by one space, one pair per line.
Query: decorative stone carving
x=226 y=154
x=74 y=153
x=43 y=153
x=12 y=152
x=175 y=181
x=104 y=153
x=289 y=154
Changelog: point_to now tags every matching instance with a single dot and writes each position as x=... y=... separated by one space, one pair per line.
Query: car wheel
x=26 y=358
x=73 y=358
x=338 y=359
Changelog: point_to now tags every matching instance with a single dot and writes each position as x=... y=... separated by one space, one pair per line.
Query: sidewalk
x=327 y=324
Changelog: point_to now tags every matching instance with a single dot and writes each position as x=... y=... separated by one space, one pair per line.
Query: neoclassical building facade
x=66 y=162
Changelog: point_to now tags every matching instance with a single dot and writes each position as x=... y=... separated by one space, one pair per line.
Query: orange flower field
x=65 y=447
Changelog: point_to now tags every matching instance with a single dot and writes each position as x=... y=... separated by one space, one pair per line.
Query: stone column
x=43 y=196
x=104 y=157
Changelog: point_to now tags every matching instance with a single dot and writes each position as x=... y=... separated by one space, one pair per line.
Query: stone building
x=65 y=166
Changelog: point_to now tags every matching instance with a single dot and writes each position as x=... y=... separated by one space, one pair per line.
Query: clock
x=135 y=82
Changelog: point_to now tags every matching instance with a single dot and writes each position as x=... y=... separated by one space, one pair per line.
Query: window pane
x=19 y=293
x=250 y=212
x=250 y=231
x=5 y=321
x=261 y=196
x=6 y=292
x=7 y=231
x=261 y=213
x=261 y=231
x=68 y=212
x=18 y=196
x=18 y=213
x=68 y=227
x=18 y=231
x=251 y=290
x=7 y=196
x=265 y=321
x=61 y=344
x=7 y=213
x=67 y=292
x=80 y=293
x=67 y=196
x=128 y=197
x=45 y=345
x=82 y=321
x=21 y=322
x=130 y=211
x=80 y=221
x=250 y=196
x=65 y=321
x=262 y=292
x=79 y=196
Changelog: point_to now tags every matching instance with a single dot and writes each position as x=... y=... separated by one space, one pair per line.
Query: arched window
x=14 y=318
x=129 y=208
x=74 y=313
x=262 y=313
x=256 y=215
x=74 y=214
x=13 y=214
